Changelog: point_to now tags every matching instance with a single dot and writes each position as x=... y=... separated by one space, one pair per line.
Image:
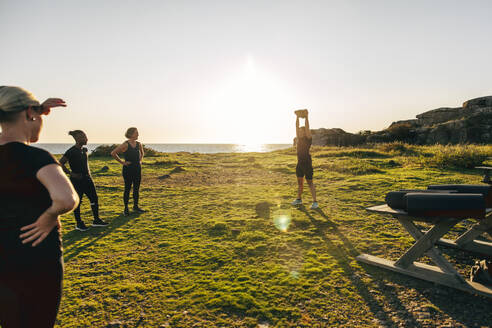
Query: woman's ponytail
x=75 y=133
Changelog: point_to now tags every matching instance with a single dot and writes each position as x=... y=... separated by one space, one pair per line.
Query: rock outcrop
x=439 y=115
x=335 y=137
x=471 y=123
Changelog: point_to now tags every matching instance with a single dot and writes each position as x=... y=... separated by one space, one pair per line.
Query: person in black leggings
x=80 y=176
x=132 y=169
x=34 y=192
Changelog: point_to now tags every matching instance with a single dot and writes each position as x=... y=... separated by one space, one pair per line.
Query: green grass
x=220 y=246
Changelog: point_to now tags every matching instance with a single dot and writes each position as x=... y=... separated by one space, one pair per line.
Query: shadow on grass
x=326 y=229
x=76 y=241
x=263 y=210
x=468 y=309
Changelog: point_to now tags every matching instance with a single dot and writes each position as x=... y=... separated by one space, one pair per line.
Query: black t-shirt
x=303 y=145
x=22 y=200
x=77 y=159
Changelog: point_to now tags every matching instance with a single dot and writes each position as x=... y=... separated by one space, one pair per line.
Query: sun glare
x=249 y=104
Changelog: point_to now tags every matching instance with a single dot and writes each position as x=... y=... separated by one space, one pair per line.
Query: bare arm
x=63 y=161
x=64 y=199
x=308 y=130
x=141 y=152
x=118 y=150
x=297 y=127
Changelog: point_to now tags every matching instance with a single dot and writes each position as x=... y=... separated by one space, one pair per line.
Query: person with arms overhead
x=304 y=166
x=34 y=192
x=81 y=178
x=132 y=169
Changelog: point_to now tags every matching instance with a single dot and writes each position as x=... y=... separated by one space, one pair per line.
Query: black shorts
x=304 y=169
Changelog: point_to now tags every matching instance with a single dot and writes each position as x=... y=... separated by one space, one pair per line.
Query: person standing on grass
x=132 y=169
x=304 y=166
x=34 y=192
x=81 y=178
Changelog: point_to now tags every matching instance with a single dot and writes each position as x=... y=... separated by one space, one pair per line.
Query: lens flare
x=294 y=274
x=282 y=222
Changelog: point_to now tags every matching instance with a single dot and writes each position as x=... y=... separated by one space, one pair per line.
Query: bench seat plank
x=428 y=273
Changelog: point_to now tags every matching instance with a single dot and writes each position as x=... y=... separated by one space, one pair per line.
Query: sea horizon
x=203 y=148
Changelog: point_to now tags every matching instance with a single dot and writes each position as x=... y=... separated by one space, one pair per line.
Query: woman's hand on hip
x=40 y=229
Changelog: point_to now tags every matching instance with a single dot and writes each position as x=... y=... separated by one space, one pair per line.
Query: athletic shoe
x=297 y=202
x=138 y=210
x=81 y=226
x=126 y=212
x=99 y=223
x=314 y=205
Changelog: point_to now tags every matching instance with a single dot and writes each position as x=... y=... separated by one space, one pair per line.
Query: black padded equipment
x=396 y=200
x=485 y=190
x=446 y=205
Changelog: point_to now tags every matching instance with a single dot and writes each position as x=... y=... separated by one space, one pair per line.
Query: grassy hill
x=220 y=245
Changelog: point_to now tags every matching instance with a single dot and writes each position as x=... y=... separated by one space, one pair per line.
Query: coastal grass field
x=221 y=246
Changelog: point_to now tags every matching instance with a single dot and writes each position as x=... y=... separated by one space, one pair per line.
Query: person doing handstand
x=304 y=166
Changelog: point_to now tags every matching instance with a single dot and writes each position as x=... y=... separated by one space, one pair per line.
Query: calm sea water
x=60 y=148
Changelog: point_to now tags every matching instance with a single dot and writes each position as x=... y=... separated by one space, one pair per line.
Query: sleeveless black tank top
x=132 y=154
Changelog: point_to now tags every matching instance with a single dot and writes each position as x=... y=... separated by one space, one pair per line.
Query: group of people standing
x=81 y=178
x=35 y=191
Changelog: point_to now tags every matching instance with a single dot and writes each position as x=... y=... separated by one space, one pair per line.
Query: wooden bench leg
x=467 y=240
x=433 y=253
x=426 y=242
x=475 y=231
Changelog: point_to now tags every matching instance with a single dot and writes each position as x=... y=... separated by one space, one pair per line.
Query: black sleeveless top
x=132 y=154
x=303 y=145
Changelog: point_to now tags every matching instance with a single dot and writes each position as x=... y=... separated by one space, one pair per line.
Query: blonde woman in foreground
x=34 y=192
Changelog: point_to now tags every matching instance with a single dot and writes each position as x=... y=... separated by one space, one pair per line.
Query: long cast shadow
x=343 y=255
x=76 y=241
x=441 y=298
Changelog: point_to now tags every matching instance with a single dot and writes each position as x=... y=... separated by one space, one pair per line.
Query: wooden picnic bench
x=467 y=241
x=486 y=173
x=443 y=272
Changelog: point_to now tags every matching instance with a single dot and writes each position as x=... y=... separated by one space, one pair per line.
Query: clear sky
x=234 y=71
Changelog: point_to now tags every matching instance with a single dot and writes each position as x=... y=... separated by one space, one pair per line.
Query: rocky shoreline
x=471 y=123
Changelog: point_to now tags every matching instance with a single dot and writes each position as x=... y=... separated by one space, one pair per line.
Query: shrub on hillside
x=352 y=152
x=400 y=131
x=398 y=148
x=460 y=156
x=393 y=147
x=351 y=166
x=105 y=151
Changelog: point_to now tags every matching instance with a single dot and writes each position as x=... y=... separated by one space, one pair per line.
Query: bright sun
x=249 y=105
